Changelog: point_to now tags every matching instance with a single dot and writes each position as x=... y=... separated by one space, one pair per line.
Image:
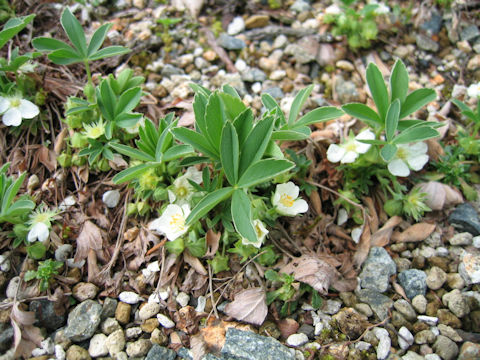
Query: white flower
x=134 y=129
x=40 y=231
x=14 y=109
x=111 y=198
x=474 y=90
x=261 y=232
x=182 y=190
x=408 y=156
x=286 y=200
x=382 y=9
x=349 y=151
x=333 y=9
x=172 y=222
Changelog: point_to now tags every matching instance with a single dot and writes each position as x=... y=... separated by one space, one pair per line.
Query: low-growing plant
x=45 y=272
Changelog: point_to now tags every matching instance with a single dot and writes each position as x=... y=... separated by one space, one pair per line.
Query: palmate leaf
x=12 y=191
x=364 y=113
x=97 y=39
x=12 y=27
x=133 y=172
x=418 y=133
x=318 y=115
x=74 y=32
x=388 y=152
x=109 y=51
x=197 y=140
x=214 y=118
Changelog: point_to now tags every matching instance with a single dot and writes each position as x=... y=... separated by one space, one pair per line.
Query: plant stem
x=89 y=74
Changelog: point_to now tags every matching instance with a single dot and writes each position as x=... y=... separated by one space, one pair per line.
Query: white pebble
x=133 y=332
x=432 y=357
x=182 y=299
x=405 y=338
x=111 y=198
x=5 y=262
x=362 y=345
x=356 y=233
x=59 y=353
x=383 y=348
x=256 y=87
x=38 y=352
x=149 y=310
x=429 y=320
x=165 y=321
x=72 y=264
x=280 y=41
x=63 y=252
x=297 y=339
x=241 y=65
x=236 y=26
x=201 y=302
x=476 y=242
x=435 y=331
x=98 y=345
x=48 y=345
x=342 y=217
x=154 y=298
x=153 y=266
x=66 y=203
x=129 y=297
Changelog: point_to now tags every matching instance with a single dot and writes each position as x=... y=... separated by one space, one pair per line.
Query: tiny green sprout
x=45 y=273
x=413 y=204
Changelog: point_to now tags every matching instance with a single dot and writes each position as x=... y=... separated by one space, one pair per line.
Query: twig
x=222 y=54
x=210 y=286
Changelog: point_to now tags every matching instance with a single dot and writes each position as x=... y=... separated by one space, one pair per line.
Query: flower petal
x=418 y=162
x=39 y=231
x=300 y=206
x=398 y=168
x=4 y=104
x=349 y=157
x=28 y=109
x=335 y=153
x=416 y=148
x=12 y=117
x=361 y=148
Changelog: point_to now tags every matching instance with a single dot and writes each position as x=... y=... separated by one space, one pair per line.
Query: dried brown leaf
x=382 y=236
x=193 y=281
x=312 y=271
x=417 y=232
x=59 y=141
x=372 y=214
x=26 y=336
x=90 y=238
x=287 y=327
x=438 y=195
x=198 y=347
x=363 y=247
x=48 y=158
x=213 y=240
x=194 y=263
x=250 y=305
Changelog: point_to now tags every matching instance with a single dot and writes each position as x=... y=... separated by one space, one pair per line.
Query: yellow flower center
x=95 y=132
x=258 y=231
x=177 y=221
x=286 y=200
x=402 y=153
x=14 y=102
x=350 y=146
x=182 y=192
x=148 y=180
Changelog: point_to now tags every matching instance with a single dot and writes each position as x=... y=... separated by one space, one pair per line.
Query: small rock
x=230 y=43
x=84 y=291
x=405 y=338
x=426 y=43
x=296 y=340
x=436 y=277
x=185 y=60
x=332 y=307
x=254 y=75
x=115 y=342
x=432 y=357
x=98 y=345
x=275 y=92
x=404 y=308
x=346 y=91
x=122 y=313
x=419 y=303
x=109 y=307
x=449 y=332
x=83 y=321
x=59 y=353
x=300 y=6
x=110 y=325
x=304 y=50
x=149 y=325
x=456 y=303
x=345 y=65
x=306 y=329
x=362 y=345
x=424 y=337
x=469 y=33
x=383 y=347
x=129 y=297
x=434 y=24
x=469 y=268
x=465 y=217
x=464 y=46
x=133 y=332
x=429 y=320
x=445 y=348
x=236 y=26
x=413 y=282
x=159 y=352
x=76 y=352
x=111 y=198
x=149 y=310
x=201 y=302
x=461 y=239
x=364 y=309
x=280 y=42
x=63 y=252
x=278 y=75
x=447 y=318
x=169 y=70
x=46 y=315
x=182 y=299
x=379 y=303
x=455 y=281
x=138 y=348
x=165 y=321
x=257 y=21
x=469 y=351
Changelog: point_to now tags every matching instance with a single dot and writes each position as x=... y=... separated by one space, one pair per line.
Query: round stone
x=149 y=310
x=436 y=278
x=297 y=340
x=98 y=345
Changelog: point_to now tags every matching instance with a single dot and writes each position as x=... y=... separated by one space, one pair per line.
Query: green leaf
x=132 y=152
x=198 y=141
x=405 y=124
x=29 y=275
x=318 y=115
x=270 y=103
x=208 y=203
x=263 y=170
x=255 y=144
x=12 y=191
x=65 y=57
x=300 y=133
x=242 y=215
x=243 y=124
x=297 y=104
x=49 y=44
x=215 y=119
x=36 y=251
x=391 y=121
x=378 y=89
x=200 y=90
x=193 y=160
x=98 y=38
x=388 y=152
x=399 y=81
x=12 y=27
x=133 y=172
x=109 y=52
x=230 y=90
x=461 y=105
x=229 y=152
x=364 y=113
x=107 y=101
x=415 y=134
x=416 y=100
x=128 y=100
x=127 y=120
x=176 y=152
x=20 y=207
x=232 y=105
x=74 y=32
x=199 y=106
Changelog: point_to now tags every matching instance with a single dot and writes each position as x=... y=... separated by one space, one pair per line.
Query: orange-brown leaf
x=250 y=305
x=417 y=232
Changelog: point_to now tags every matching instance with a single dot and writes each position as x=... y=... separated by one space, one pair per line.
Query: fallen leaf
x=312 y=271
x=287 y=327
x=198 y=347
x=438 y=195
x=59 y=141
x=250 y=305
x=382 y=236
x=372 y=214
x=26 y=336
x=213 y=240
x=417 y=232
x=90 y=238
x=193 y=281
x=194 y=263
x=186 y=320
x=363 y=247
